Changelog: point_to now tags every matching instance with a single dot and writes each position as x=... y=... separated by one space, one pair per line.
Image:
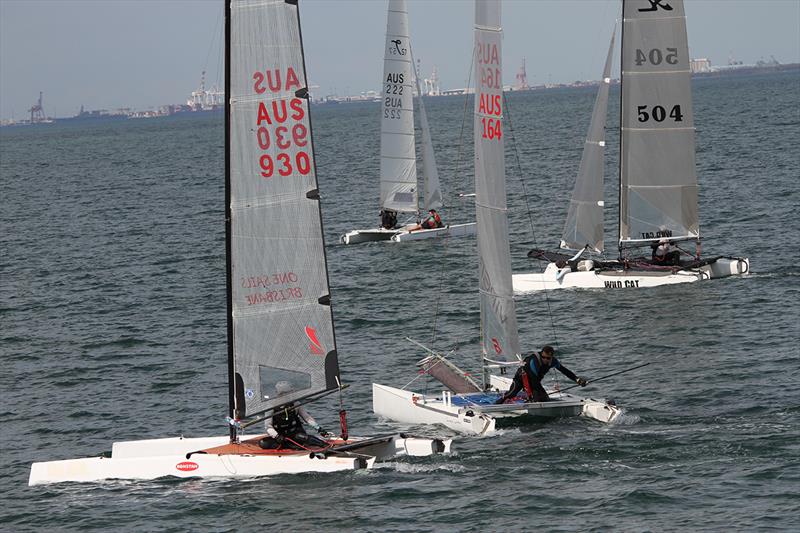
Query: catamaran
x=281 y=343
x=398 y=170
x=658 y=183
x=466 y=406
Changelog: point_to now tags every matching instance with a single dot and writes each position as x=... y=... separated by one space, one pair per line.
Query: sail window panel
x=280 y=341
x=663 y=212
x=657 y=101
x=655 y=45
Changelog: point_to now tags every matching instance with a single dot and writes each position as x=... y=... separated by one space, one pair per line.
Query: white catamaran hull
x=156 y=458
x=459 y=414
x=402 y=235
x=554 y=278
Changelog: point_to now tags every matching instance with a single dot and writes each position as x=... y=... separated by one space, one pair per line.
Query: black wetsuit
x=535 y=369
x=291 y=433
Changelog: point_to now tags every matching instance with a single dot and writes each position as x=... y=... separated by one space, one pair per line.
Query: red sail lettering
x=297 y=105
x=279 y=114
x=274 y=84
x=291 y=79
x=258 y=78
x=263 y=115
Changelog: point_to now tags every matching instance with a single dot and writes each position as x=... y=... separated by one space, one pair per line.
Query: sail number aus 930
x=659 y=113
x=656 y=57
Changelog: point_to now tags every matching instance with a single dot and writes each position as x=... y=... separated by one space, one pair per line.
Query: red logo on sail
x=187 y=466
x=496 y=345
x=315 y=346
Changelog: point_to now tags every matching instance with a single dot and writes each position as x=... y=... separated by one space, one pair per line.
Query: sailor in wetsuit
x=285 y=428
x=388 y=219
x=533 y=370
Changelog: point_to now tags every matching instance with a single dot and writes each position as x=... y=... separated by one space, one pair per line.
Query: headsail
x=584 y=225
x=398 y=153
x=433 y=192
x=498 y=315
x=658 y=182
x=280 y=320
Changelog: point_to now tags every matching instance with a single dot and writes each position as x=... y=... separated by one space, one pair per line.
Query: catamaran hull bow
x=190 y=458
x=556 y=278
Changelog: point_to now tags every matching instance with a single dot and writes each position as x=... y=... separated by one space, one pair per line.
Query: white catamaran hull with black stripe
x=403 y=235
x=554 y=277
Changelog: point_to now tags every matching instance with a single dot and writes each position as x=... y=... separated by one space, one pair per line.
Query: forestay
x=498 y=316
x=398 y=156
x=279 y=310
x=584 y=224
x=658 y=183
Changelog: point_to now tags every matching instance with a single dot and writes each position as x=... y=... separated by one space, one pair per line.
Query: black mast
x=228 y=266
x=621 y=74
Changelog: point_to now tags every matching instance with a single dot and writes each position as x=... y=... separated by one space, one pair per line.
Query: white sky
x=145 y=53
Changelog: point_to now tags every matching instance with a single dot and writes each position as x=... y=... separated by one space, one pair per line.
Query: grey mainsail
x=280 y=320
x=398 y=150
x=584 y=224
x=658 y=182
x=498 y=315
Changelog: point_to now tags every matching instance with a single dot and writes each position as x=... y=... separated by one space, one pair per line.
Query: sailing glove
x=582 y=382
x=323 y=433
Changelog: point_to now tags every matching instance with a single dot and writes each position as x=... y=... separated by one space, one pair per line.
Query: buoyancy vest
x=433 y=221
x=286 y=421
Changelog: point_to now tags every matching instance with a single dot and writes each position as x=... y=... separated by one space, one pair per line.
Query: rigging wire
x=442 y=268
x=528 y=208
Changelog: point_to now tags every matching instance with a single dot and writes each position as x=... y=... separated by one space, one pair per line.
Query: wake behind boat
x=281 y=344
x=398 y=172
x=658 y=183
x=465 y=406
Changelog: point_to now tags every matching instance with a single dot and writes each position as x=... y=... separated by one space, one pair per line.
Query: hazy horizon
x=143 y=54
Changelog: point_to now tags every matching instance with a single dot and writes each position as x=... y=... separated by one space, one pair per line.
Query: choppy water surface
x=112 y=306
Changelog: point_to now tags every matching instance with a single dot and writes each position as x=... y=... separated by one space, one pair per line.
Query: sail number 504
x=659 y=113
x=656 y=57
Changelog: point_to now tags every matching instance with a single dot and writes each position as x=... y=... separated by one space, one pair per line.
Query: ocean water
x=112 y=317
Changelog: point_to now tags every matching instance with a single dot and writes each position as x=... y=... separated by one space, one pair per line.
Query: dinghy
x=398 y=171
x=658 y=183
x=465 y=406
x=280 y=324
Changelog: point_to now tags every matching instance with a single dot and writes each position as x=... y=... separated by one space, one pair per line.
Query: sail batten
x=281 y=329
x=658 y=182
x=499 y=335
x=584 y=223
x=398 y=169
